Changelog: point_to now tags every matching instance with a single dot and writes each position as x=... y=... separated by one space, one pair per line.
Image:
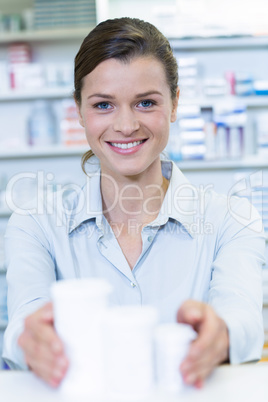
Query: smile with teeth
x=128 y=145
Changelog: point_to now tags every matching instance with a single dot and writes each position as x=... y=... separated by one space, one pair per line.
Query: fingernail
x=62 y=362
x=185 y=367
x=57 y=373
x=190 y=378
x=54 y=383
x=57 y=347
x=196 y=313
x=194 y=351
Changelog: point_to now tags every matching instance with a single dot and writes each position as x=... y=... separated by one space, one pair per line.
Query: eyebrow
x=141 y=95
x=100 y=96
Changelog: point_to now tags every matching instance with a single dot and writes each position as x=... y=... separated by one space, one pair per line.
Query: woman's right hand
x=43 y=350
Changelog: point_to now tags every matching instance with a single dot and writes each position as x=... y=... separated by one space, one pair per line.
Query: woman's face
x=126 y=109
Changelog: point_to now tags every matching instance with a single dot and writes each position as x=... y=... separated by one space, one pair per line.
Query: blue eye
x=103 y=105
x=146 y=103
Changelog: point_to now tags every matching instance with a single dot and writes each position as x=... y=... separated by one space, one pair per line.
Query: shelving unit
x=43 y=152
x=44 y=35
x=248 y=101
x=229 y=164
x=42 y=93
x=228 y=42
x=55 y=151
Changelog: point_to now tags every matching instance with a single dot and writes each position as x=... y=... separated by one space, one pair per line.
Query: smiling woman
x=127 y=127
x=123 y=40
x=137 y=222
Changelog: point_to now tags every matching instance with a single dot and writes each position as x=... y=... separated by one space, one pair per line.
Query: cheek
x=161 y=122
x=93 y=125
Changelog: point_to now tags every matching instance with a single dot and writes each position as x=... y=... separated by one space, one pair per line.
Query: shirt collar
x=87 y=203
x=181 y=199
x=180 y=202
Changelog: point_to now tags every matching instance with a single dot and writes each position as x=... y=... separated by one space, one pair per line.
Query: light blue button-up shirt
x=202 y=246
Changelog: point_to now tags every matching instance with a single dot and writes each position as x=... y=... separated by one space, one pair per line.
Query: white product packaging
x=221 y=142
x=235 y=142
x=42 y=124
x=128 y=340
x=79 y=306
x=172 y=342
x=210 y=140
x=5 y=80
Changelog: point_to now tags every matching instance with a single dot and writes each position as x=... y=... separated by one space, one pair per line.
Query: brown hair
x=123 y=39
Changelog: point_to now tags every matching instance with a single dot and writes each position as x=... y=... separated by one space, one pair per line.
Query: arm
x=31 y=270
x=236 y=283
x=230 y=325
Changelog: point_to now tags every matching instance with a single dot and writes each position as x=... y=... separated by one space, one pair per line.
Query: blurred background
x=221 y=134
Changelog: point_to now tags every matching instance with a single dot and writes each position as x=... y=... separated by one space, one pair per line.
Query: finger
x=194 y=367
x=207 y=336
x=209 y=347
x=200 y=371
x=197 y=378
x=44 y=351
x=191 y=312
x=52 y=371
x=46 y=313
x=40 y=326
x=52 y=368
x=212 y=338
x=199 y=383
x=199 y=366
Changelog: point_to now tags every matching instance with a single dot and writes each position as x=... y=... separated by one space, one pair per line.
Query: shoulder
x=48 y=210
x=233 y=219
x=224 y=207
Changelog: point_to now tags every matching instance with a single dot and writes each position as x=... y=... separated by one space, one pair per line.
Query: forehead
x=140 y=71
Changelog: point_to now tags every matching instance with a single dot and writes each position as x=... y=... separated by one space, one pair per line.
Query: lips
x=126 y=148
x=126 y=145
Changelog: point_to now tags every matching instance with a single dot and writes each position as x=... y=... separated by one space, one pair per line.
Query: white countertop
x=244 y=383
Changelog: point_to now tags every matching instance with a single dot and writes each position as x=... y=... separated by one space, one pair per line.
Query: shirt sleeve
x=236 y=282
x=30 y=272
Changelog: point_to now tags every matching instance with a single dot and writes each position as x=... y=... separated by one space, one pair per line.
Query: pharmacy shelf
x=66 y=34
x=62 y=151
x=248 y=101
x=245 y=163
x=42 y=93
x=45 y=35
x=66 y=92
x=43 y=152
x=230 y=42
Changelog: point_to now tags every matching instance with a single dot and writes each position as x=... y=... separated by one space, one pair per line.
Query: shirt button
x=150 y=238
x=133 y=285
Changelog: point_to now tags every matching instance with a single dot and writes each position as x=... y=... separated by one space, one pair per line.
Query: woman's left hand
x=211 y=346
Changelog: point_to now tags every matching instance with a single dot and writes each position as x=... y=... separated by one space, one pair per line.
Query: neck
x=136 y=198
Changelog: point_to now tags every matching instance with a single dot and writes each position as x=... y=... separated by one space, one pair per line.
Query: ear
x=80 y=118
x=175 y=103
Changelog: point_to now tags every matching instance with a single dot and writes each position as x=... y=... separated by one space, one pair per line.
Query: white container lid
x=77 y=288
x=175 y=333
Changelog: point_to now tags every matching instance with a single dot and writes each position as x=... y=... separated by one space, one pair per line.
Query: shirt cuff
x=12 y=353
x=244 y=347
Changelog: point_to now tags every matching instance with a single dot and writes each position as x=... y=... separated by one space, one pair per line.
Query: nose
x=126 y=122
